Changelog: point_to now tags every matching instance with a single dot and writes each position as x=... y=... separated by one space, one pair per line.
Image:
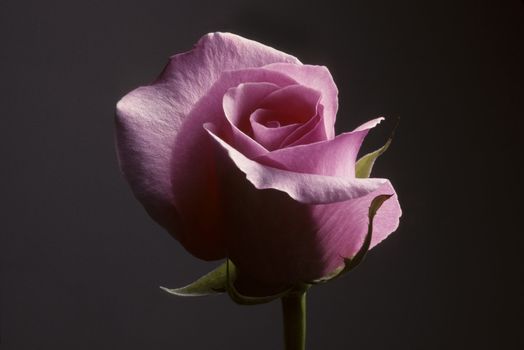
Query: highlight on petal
x=304 y=188
x=148 y=119
x=145 y=129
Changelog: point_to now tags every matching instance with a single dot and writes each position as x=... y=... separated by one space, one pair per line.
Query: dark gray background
x=81 y=261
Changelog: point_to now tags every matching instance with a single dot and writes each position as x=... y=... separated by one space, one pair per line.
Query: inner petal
x=268 y=130
x=291 y=104
x=282 y=113
x=311 y=131
x=240 y=101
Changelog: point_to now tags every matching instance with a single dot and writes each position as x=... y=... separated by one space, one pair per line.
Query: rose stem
x=294 y=312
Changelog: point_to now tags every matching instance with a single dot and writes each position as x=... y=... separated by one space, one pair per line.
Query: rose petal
x=318 y=78
x=313 y=240
x=293 y=103
x=194 y=181
x=240 y=101
x=269 y=136
x=344 y=226
x=304 y=188
x=292 y=107
x=149 y=118
x=333 y=158
x=314 y=236
x=312 y=131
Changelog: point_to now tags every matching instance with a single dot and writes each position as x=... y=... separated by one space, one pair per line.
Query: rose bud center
x=278 y=117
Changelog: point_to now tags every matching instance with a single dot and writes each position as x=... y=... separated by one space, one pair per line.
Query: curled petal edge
x=304 y=188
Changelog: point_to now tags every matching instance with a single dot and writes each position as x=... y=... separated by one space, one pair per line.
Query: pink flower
x=233 y=150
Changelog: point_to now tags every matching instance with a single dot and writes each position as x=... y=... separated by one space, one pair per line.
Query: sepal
x=212 y=283
x=238 y=298
x=365 y=164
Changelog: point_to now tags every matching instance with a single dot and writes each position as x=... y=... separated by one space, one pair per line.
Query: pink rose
x=233 y=150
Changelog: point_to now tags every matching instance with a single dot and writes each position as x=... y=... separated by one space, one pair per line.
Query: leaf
x=351 y=263
x=238 y=298
x=365 y=164
x=212 y=283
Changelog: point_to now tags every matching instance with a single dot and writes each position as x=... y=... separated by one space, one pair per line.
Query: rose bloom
x=233 y=150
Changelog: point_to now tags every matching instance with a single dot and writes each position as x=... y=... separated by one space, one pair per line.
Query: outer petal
x=333 y=157
x=317 y=78
x=196 y=194
x=344 y=226
x=310 y=242
x=306 y=243
x=148 y=119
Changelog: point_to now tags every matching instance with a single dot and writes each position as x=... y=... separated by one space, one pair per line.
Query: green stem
x=294 y=312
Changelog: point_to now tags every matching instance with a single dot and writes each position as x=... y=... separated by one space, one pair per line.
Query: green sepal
x=365 y=164
x=329 y=277
x=351 y=263
x=212 y=283
x=238 y=298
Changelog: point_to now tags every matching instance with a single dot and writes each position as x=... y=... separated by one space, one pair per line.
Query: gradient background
x=81 y=261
